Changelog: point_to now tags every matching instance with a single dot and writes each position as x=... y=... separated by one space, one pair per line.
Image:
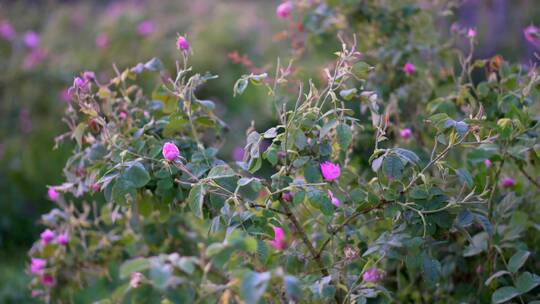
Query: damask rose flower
x=284 y=10
x=170 y=151
x=279 y=239
x=37 y=265
x=47 y=236
x=182 y=44
x=487 y=163
x=47 y=280
x=330 y=171
x=508 y=182
x=405 y=133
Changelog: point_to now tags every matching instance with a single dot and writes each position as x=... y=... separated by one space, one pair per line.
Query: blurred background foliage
x=231 y=38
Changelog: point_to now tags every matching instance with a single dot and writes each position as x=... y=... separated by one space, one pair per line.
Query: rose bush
x=382 y=182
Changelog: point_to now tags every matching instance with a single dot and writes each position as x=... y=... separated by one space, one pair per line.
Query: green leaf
x=196 y=199
x=137 y=175
x=407 y=155
x=526 y=281
x=377 y=163
x=253 y=286
x=344 y=136
x=497 y=274
x=221 y=171
x=504 y=294
x=122 y=190
x=134 y=265
x=517 y=260
x=431 y=269
x=393 y=167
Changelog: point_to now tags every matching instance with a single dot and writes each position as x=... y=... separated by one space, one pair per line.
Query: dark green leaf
x=196 y=199
x=504 y=294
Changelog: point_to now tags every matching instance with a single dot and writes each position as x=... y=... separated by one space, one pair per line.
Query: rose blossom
x=31 y=39
x=53 y=194
x=487 y=163
x=278 y=242
x=330 y=171
x=170 y=151
x=405 y=133
x=182 y=44
x=47 y=280
x=47 y=236
x=146 y=28
x=284 y=10
x=409 y=68
x=37 y=265
x=508 y=182
x=7 y=31
x=63 y=238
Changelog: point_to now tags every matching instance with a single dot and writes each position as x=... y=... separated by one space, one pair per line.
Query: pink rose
x=31 y=39
x=47 y=280
x=335 y=201
x=409 y=68
x=330 y=171
x=53 y=194
x=47 y=236
x=487 y=163
x=170 y=151
x=508 y=182
x=471 y=33
x=63 y=238
x=96 y=187
x=182 y=44
x=37 y=265
x=279 y=239
x=371 y=275
x=405 y=133
x=284 y=10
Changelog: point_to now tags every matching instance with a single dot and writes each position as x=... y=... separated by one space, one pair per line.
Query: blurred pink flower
x=335 y=201
x=53 y=194
x=89 y=75
x=284 y=10
x=35 y=57
x=65 y=95
x=81 y=84
x=532 y=34
x=170 y=151
x=146 y=28
x=371 y=275
x=25 y=120
x=409 y=68
x=279 y=239
x=182 y=44
x=330 y=171
x=122 y=115
x=102 y=41
x=7 y=32
x=63 y=238
x=31 y=39
x=47 y=280
x=508 y=182
x=96 y=187
x=47 y=236
x=405 y=133
x=37 y=265
x=471 y=33
x=487 y=163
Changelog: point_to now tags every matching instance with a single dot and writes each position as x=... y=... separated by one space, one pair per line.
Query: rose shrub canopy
x=407 y=171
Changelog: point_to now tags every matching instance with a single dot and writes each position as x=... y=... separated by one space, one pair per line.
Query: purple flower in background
x=371 y=275
x=7 y=32
x=89 y=75
x=37 y=265
x=25 y=120
x=238 y=154
x=335 y=201
x=47 y=236
x=35 y=57
x=284 y=10
x=182 y=44
x=532 y=34
x=409 y=68
x=81 y=84
x=102 y=41
x=146 y=28
x=65 y=95
x=63 y=238
x=31 y=39
x=330 y=171
x=405 y=133
x=487 y=163
x=508 y=182
x=170 y=151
